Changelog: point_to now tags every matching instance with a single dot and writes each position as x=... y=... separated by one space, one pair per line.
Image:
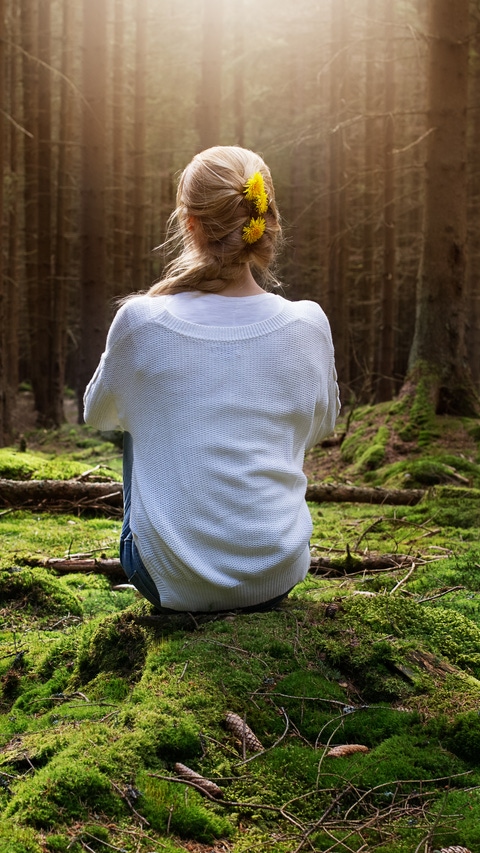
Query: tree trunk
x=337 y=301
x=438 y=353
x=47 y=379
x=366 y=355
x=3 y=341
x=385 y=386
x=211 y=71
x=118 y=149
x=64 y=192
x=473 y=259
x=28 y=28
x=93 y=320
x=12 y=284
x=139 y=156
x=238 y=73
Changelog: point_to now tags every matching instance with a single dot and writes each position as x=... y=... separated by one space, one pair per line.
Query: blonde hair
x=209 y=218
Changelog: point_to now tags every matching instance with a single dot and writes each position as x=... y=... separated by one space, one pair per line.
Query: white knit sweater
x=220 y=417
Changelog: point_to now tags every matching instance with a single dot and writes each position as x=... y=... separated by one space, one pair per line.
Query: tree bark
x=139 y=141
x=3 y=340
x=337 y=300
x=211 y=71
x=28 y=29
x=93 y=320
x=53 y=494
x=438 y=354
x=385 y=386
x=118 y=149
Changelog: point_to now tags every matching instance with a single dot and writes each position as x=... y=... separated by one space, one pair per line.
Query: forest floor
x=355 y=722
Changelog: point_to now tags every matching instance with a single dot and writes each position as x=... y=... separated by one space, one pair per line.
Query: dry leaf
x=199 y=781
x=243 y=732
x=346 y=749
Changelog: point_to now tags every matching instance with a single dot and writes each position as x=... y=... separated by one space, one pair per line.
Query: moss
x=63 y=791
x=373 y=456
x=364 y=448
x=352 y=444
x=16 y=839
x=176 y=739
x=467 y=833
x=16 y=465
x=39 y=591
x=165 y=805
x=422 y=422
x=115 y=644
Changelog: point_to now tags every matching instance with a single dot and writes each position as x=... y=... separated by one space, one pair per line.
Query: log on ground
x=78 y=495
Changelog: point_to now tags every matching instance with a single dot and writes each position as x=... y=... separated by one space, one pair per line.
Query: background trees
x=105 y=101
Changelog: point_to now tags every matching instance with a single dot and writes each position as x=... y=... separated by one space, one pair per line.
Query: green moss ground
x=98 y=701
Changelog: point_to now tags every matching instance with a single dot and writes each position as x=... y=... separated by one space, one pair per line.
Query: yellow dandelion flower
x=255 y=192
x=261 y=202
x=254 y=186
x=254 y=230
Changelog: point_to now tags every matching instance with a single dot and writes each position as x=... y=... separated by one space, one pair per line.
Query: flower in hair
x=254 y=191
x=254 y=230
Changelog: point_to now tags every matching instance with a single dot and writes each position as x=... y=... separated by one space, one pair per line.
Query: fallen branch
x=77 y=495
x=329 y=492
x=112 y=568
x=61 y=495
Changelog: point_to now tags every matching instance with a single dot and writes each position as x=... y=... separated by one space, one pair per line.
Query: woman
x=220 y=388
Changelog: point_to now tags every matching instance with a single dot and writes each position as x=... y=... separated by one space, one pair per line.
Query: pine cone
x=332 y=609
x=455 y=850
x=199 y=781
x=243 y=732
x=346 y=749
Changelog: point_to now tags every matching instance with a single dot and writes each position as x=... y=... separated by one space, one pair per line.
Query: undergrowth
x=101 y=699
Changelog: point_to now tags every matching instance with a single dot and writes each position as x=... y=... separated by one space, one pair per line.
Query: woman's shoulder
x=133 y=313
x=306 y=309
x=139 y=307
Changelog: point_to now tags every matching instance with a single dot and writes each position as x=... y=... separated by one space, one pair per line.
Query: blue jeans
x=130 y=559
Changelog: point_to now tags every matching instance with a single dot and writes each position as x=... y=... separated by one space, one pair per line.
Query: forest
x=346 y=720
x=367 y=113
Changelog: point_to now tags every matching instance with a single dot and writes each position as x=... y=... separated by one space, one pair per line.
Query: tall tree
x=47 y=375
x=385 y=386
x=473 y=295
x=4 y=425
x=118 y=148
x=370 y=212
x=438 y=351
x=28 y=29
x=238 y=73
x=211 y=74
x=12 y=265
x=93 y=312
x=63 y=253
x=337 y=301
x=139 y=142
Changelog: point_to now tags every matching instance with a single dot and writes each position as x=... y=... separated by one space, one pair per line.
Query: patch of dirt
x=24 y=416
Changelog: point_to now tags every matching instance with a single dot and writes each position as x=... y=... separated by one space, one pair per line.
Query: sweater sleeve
x=101 y=394
x=327 y=408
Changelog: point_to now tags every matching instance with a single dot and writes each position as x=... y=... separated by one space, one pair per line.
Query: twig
x=440 y=594
x=403 y=580
x=105 y=843
x=322 y=818
x=231 y=803
x=126 y=799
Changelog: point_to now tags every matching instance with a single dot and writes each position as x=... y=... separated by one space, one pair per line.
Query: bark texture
x=438 y=350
